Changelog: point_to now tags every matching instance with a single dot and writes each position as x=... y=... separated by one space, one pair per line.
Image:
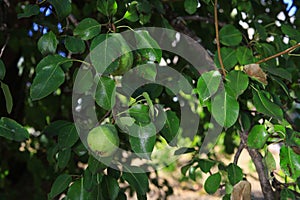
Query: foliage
x=45 y=43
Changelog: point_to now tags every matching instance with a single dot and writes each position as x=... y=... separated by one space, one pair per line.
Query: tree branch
x=279 y=54
x=257 y=159
x=218 y=39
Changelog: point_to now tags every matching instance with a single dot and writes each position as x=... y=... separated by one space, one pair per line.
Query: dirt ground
x=194 y=190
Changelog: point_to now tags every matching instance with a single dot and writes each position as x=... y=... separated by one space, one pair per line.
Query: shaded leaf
x=230 y=36
x=208 y=84
x=74 y=44
x=140 y=113
x=67 y=136
x=29 y=10
x=228 y=57
x=190 y=6
x=107 y=7
x=8 y=97
x=147 y=46
x=264 y=105
x=47 y=43
x=62 y=8
x=235 y=173
x=205 y=165
x=137 y=179
x=110 y=187
x=170 y=130
x=269 y=161
x=12 y=130
x=60 y=184
x=142 y=139
x=87 y=29
x=244 y=55
x=63 y=158
x=237 y=81
x=131 y=14
x=212 y=183
x=2 y=70
x=290 y=162
x=47 y=81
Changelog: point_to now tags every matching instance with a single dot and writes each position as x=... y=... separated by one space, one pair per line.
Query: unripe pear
x=103 y=140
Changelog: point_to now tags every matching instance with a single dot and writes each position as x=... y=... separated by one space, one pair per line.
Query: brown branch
x=257 y=159
x=73 y=19
x=238 y=153
x=202 y=19
x=279 y=54
x=218 y=39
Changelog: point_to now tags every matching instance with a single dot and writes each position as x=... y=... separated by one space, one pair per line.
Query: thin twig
x=4 y=46
x=279 y=54
x=201 y=19
x=238 y=153
x=73 y=19
x=217 y=38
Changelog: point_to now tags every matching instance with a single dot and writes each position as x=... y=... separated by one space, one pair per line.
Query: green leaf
x=50 y=60
x=131 y=14
x=192 y=173
x=269 y=161
x=137 y=179
x=142 y=139
x=290 y=162
x=291 y=32
x=8 y=98
x=292 y=138
x=257 y=137
x=53 y=129
x=77 y=192
x=29 y=10
x=264 y=105
x=63 y=158
x=74 y=44
x=60 y=184
x=237 y=81
x=244 y=55
x=212 y=183
x=185 y=168
x=48 y=78
x=110 y=187
x=67 y=136
x=2 y=70
x=230 y=36
x=62 y=8
x=280 y=72
x=84 y=80
x=205 y=165
x=225 y=109
x=105 y=93
x=95 y=166
x=12 y=130
x=47 y=44
x=208 y=84
x=107 y=7
x=147 y=46
x=287 y=194
x=87 y=29
x=170 y=130
x=228 y=57
x=235 y=173
x=190 y=6
x=114 y=55
x=140 y=113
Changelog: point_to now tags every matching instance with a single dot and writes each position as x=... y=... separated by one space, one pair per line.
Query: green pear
x=103 y=140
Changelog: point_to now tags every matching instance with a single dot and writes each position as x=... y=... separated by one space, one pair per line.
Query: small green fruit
x=103 y=140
